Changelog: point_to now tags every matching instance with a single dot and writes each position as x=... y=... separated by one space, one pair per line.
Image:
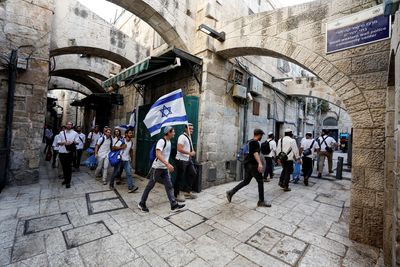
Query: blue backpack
x=243 y=152
x=152 y=154
x=114 y=157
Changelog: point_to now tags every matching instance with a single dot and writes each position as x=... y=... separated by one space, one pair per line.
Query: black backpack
x=266 y=148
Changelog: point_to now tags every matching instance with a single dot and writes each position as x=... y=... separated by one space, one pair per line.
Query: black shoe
x=64 y=183
x=118 y=182
x=67 y=186
x=177 y=207
x=53 y=166
x=287 y=189
x=319 y=175
x=143 y=207
x=111 y=187
x=263 y=204
x=281 y=185
x=330 y=172
x=133 y=189
x=306 y=181
x=229 y=196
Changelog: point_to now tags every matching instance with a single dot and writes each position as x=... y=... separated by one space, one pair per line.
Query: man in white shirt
x=327 y=145
x=67 y=141
x=93 y=137
x=103 y=147
x=308 y=147
x=186 y=173
x=288 y=146
x=161 y=170
x=269 y=159
x=55 y=147
x=125 y=146
x=79 y=148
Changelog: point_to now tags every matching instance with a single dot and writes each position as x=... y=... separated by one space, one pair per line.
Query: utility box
x=256 y=86
x=239 y=91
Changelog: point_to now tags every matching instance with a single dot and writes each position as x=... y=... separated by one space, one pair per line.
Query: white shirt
x=330 y=141
x=288 y=143
x=55 y=142
x=183 y=140
x=81 y=143
x=104 y=149
x=272 y=146
x=165 y=152
x=94 y=138
x=306 y=144
x=125 y=155
x=71 y=135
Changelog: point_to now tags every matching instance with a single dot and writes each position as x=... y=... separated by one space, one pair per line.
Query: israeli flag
x=132 y=122
x=167 y=110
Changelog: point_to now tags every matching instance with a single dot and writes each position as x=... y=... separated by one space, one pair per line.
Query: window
x=269 y=111
x=256 y=108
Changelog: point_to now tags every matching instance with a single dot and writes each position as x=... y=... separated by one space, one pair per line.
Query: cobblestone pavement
x=88 y=225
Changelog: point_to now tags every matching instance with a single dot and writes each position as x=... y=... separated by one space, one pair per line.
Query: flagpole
x=190 y=137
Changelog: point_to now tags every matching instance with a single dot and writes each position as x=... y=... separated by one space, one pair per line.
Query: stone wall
x=26 y=26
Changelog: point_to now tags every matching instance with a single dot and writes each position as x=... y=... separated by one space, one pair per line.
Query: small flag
x=131 y=123
x=167 y=110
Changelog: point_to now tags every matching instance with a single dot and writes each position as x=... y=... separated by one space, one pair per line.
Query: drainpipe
x=12 y=78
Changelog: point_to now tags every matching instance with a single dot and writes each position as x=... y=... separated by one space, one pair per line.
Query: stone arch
x=93 y=51
x=69 y=89
x=83 y=77
x=356 y=75
x=330 y=121
x=352 y=97
x=168 y=18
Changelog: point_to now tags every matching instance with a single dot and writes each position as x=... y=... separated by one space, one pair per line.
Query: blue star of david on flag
x=165 y=111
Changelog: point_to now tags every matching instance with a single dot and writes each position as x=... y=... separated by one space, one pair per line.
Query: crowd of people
x=116 y=149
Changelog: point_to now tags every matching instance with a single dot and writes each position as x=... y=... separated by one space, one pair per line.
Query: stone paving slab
x=305 y=227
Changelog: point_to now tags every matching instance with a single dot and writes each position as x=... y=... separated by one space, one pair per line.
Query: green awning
x=129 y=72
x=153 y=66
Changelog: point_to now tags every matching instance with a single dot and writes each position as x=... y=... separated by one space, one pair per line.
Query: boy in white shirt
x=103 y=147
x=67 y=141
x=308 y=147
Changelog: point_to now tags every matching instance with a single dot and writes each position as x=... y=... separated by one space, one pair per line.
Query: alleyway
x=47 y=225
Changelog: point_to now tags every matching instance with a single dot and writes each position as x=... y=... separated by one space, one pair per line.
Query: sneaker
x=319 y=175
x=67 y=186
x=229 y=196
x=287 y=189
x=263 y=204
x=180 y=198
x=143 y=207
x=330 y=172
x=189 y=195
x=104 y=183
x=177 y=207
x=132 y=190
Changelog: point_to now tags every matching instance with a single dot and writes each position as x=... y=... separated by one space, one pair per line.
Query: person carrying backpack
x=103 y=147
x=160 y=170
x=124 y=145
x=307 y=148
x=327 y=145
x=287 y=152
x=268 y=149
x=253 y=168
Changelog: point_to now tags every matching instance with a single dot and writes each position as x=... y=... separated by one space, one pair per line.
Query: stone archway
x=167 y=18
x=82 y=77
x=296 y=34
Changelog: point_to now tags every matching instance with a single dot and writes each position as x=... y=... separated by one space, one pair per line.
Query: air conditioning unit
x=256 y=86
x=239 y=91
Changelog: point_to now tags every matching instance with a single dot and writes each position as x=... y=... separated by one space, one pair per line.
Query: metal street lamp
x=220 y=36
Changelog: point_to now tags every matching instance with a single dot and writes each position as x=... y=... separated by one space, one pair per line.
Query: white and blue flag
x=132 y=121
x=167 y=110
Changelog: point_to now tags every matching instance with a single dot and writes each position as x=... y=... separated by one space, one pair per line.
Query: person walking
x=186 y=173
x=253 y=168
x=48 y=132
x=161 y=169
x=67 y=141
x=308 y=148
x=125 y=146
x=326 y=144
x=117 y=137
x=287 y=146
x=56 y=146
x=79 y=148
x=270 y=158
x=94 y=136
x=103 y=147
